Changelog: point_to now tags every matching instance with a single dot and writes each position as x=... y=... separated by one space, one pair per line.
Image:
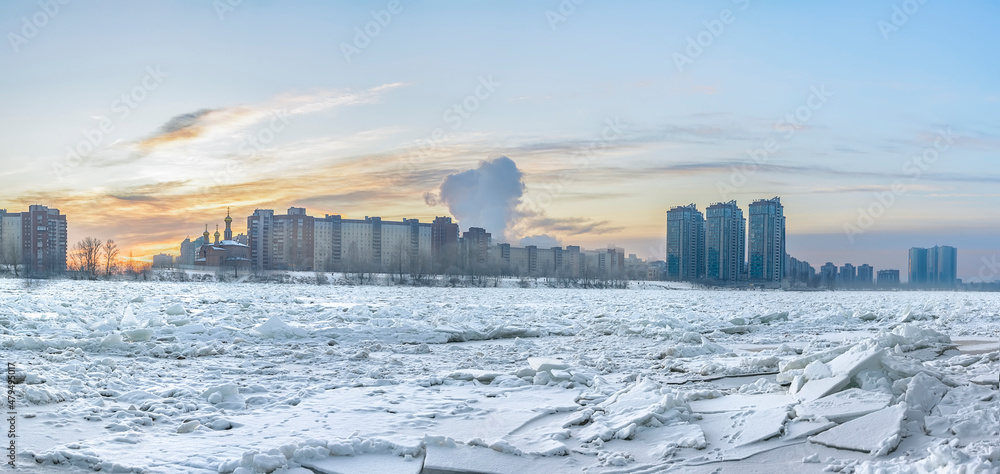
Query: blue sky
x=350 y=129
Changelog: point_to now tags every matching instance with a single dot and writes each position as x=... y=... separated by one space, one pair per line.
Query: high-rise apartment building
x=685 y=243
x=888 y=278
x=942 y=265
x=767 y=240
x=865 y=276
x=281 y=242
x=444 y=242
x=725 y=242
x=11 y=248
x=828 y=274
x=848 y=274
x=933 y=267
x=918 y=266
x=260 y=227
x=35 y=239
x=475 y=245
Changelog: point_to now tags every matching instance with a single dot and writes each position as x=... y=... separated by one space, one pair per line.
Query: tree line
x=92 y=258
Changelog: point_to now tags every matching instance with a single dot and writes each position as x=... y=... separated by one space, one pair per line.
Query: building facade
x=725 y=242
x=865 y=277
x=848 y=274
x=163 y=261
x=11 y=248
x=35 y=239
x=444 y=242
x=372 y=244
x=888 y=278
x=828 y=274
x=917 y=271
x=298 y=242
x=766 y=248
x=935 y=267
x=685 y=243
x=799 y=271
x=475 y=244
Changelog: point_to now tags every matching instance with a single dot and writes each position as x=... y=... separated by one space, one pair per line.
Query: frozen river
x=204 y=377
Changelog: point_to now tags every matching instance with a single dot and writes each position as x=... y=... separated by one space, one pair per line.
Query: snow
x=296 y=378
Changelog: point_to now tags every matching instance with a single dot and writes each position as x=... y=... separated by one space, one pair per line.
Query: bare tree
x=9 y=258
x=87 y=256
x=110 y=256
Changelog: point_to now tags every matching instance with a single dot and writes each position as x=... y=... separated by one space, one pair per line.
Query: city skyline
x=153 y=138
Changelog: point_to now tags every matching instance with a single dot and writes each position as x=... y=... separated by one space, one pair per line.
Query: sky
x=876 y=123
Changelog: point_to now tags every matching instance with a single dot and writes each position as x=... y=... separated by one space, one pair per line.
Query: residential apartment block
x=766 y=246
x=685 y=243
x=35 y=239
x=725 y=242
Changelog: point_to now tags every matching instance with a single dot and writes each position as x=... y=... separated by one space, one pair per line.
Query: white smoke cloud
x=486 y=197
x=542 y=241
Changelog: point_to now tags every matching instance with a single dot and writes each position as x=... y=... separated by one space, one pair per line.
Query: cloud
x=234 y=120
x=486 y=196
x=571 y=225
x=181 y=127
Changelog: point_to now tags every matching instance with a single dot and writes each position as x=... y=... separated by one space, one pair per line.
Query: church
x=224 y=254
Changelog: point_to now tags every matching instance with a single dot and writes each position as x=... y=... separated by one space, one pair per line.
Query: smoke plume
x=485 y=197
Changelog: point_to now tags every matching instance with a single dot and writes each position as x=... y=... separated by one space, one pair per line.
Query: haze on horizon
x=143 y=122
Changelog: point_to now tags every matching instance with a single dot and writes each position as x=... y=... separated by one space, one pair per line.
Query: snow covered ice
x=204 y=377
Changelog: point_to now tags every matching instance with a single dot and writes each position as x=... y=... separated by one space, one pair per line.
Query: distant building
x=685 y=243
x=725 y=242
x=865 y=276
x=829 y=274
x=767 y=241
x=35 y=239
x=11 y=247
x=798 y=271
x=888 y=278
x=918 y=271
x=475 y=246
x=569 y=262
x=935 y=267
x=848 y=273
x=944 y=272
x=189 y=251
x=444 y=242
x=281 y=242
x=163 y=261
x=296 y=241
x=224 y=253
x=371 y=244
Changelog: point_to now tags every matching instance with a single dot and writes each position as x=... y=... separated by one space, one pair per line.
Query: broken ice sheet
x=877 y=433
x=844 y=406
